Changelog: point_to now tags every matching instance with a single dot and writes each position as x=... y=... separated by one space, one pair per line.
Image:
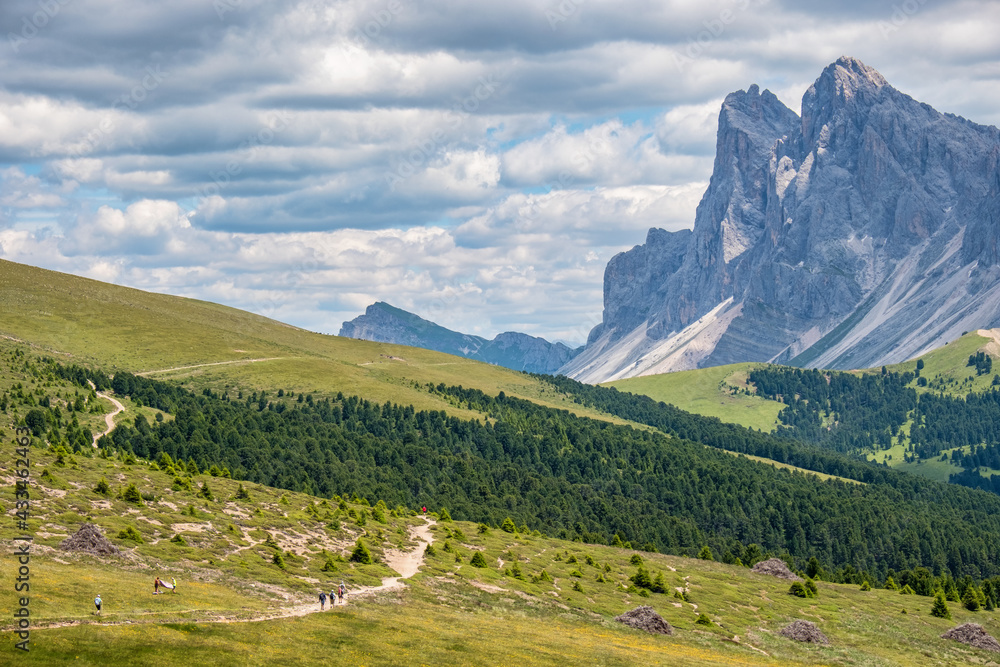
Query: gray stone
x=862 y=233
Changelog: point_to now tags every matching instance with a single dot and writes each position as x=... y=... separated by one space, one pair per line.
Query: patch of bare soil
x=645 y=618
x=973 y=635
x=804 y=631
x=775 y=567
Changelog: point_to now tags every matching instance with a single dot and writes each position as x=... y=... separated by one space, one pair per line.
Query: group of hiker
x=338 y=593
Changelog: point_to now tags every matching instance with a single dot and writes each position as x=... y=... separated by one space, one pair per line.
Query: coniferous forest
x=575 y=477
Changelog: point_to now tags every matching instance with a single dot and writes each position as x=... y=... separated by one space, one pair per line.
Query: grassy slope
x=450 y=613
x=947 y=373
x=709 y=392
x=117 y=327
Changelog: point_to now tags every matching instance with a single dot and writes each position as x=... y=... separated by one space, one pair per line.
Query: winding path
x=214 y=363
x=109 y=419
x=406 y=563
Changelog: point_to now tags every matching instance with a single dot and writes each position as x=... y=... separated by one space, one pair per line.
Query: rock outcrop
x=387 y=324
x=862 y=233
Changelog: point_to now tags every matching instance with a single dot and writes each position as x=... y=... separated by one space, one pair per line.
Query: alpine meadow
x=666 y=333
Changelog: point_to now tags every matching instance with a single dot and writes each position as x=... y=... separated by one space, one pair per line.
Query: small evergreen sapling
x=478 y=560
x=940 y=608
x=361 y=554
x=131 y=495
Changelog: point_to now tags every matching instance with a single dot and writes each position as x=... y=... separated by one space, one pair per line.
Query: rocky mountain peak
x=846 y=89
x=863 y=233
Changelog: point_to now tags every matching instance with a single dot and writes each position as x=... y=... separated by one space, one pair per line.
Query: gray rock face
x=863 y=233
x=386 y=324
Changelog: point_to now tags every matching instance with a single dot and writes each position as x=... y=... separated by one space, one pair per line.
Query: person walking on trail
x=97 y=603
x=156 y=586
x=340 y=592
x=322 y=601
x=174 y=582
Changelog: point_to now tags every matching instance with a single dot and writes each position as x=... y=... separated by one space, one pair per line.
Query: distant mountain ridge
x=385 y=323
x=861 y=233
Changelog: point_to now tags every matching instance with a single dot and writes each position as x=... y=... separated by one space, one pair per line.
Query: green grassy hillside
x=450 y=612
x=720 y=391
x=249 y=566
x=205 y=344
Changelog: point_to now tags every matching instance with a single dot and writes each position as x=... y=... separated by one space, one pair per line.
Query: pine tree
x=970 y=600
x=478 y=560
x=205 y=492
x=508 y=526
x=103 y=488
x=361 y=554
x=705 y=553
x=940 y=608
x=132 y=495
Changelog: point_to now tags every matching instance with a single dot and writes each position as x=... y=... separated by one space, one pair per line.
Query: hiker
x=322 y=601
x=340 y=592
x=424 y=508
x=97 y=603
x=156 y=586
x=174 y=582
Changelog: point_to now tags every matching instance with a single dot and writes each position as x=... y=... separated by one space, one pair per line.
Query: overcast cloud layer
x=475 y=163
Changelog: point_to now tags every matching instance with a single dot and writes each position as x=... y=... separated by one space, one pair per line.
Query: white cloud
x=260 y=167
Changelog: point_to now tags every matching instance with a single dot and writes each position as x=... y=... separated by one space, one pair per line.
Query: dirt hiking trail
x=406 y=563
x=109 y=419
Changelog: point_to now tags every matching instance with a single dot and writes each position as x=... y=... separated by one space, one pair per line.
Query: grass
x=449 y=613
x=713 y=392
x=453 y=613
x=85 y=321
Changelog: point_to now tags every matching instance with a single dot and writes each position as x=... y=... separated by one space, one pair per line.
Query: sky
x=475 y=163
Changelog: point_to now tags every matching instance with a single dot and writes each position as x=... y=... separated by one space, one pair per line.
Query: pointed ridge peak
x=852 y=74
x=753 y=108
x=751 y=99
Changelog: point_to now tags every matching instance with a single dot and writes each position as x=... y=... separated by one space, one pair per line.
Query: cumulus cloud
x=476 y=163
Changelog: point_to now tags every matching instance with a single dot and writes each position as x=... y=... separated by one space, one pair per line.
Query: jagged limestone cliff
x=863 y=232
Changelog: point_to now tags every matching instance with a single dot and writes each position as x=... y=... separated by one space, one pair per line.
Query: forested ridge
x=852 y=413
x=568 y=476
